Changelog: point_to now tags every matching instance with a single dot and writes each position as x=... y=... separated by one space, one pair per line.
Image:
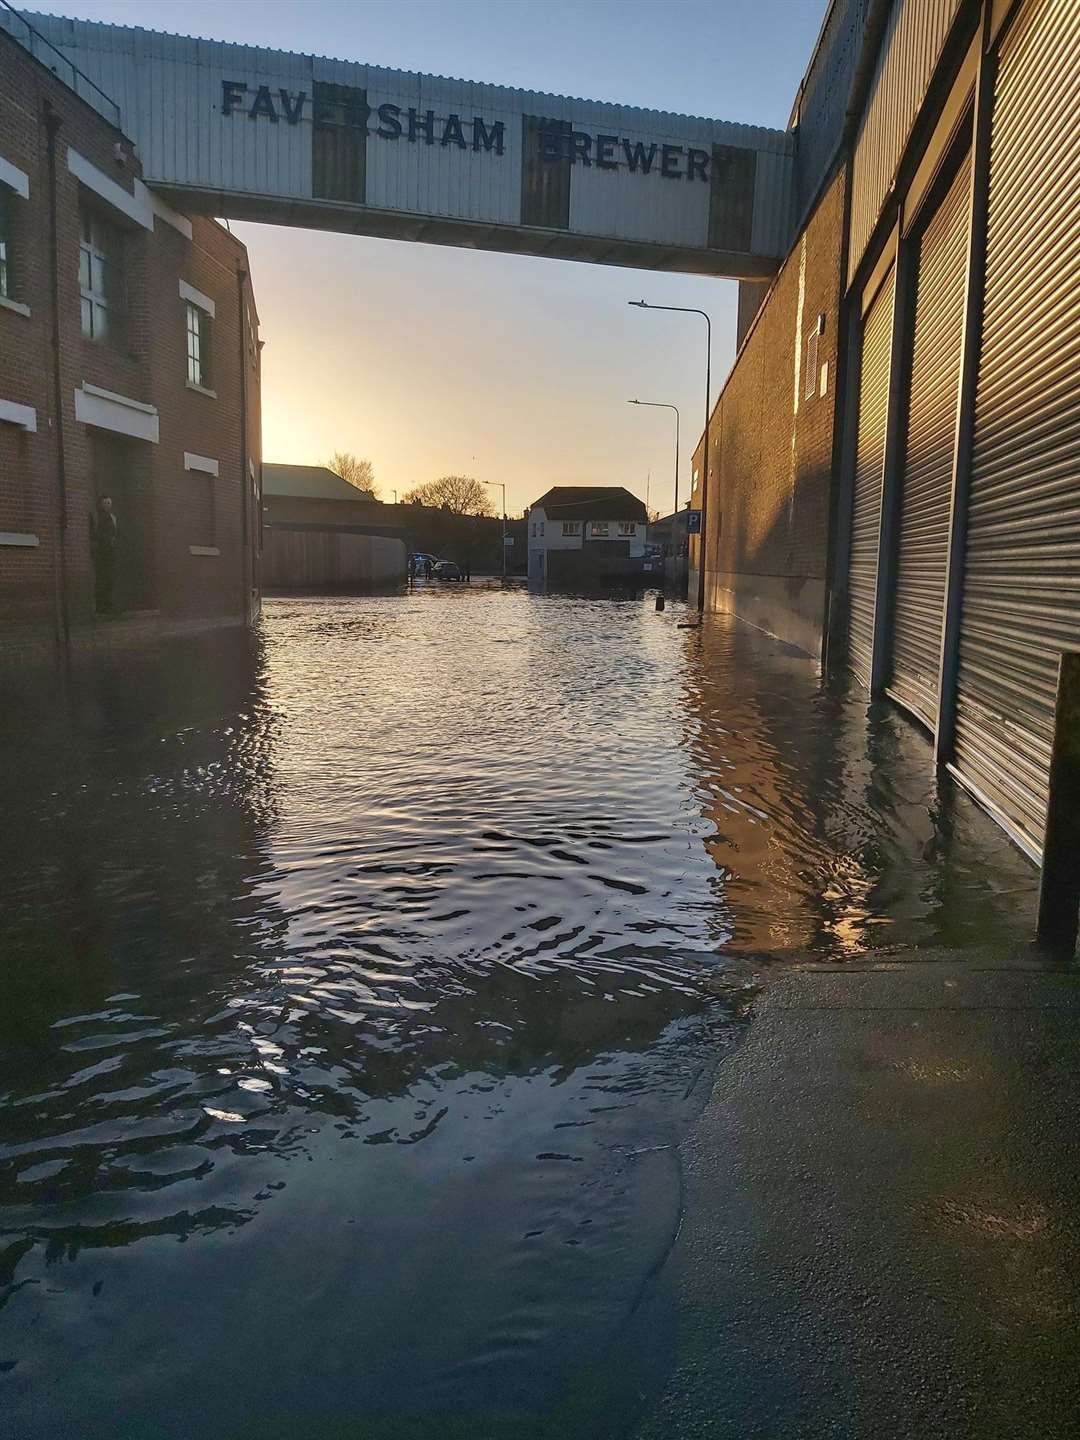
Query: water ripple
x=360 y=983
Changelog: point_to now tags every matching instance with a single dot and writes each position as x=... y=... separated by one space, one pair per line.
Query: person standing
x=103 y=536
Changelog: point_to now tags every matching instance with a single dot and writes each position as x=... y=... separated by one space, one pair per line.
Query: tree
x=353 y=470
x=460 y=494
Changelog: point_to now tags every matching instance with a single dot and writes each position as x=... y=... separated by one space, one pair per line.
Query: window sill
x=17 y=538
x=16 y=305
x=201 y=390
x=203 y=550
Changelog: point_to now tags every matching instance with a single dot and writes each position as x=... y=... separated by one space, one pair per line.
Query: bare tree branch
x=460 y=494
x=355 y=471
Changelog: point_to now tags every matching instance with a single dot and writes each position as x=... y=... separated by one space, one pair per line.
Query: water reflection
x=359 y=982
x=829 y=830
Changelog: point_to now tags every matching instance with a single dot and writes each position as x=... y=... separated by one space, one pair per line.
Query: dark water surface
x=358 y=981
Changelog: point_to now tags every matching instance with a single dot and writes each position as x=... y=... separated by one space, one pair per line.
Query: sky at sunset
x=431 y=360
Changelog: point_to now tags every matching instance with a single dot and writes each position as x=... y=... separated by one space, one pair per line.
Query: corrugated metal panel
x=930 y=446
x=169 y=88
x=1021 y=599
x=824 y=96
x=914 y=38
x=774 y=202
x=869 y=475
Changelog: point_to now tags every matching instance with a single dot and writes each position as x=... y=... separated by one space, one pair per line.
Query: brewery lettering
x=559 y=142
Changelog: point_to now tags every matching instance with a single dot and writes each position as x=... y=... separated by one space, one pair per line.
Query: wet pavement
x=366 y=981
x=882 y=1219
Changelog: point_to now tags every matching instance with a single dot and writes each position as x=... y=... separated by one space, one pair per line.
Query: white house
x=586 y=532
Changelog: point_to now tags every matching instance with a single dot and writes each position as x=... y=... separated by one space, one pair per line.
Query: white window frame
x=627 y=528
x=600 y=529
x=6 y=223
x=198 y=359
x=571 y=527
x=199 y=347
x=102 y=303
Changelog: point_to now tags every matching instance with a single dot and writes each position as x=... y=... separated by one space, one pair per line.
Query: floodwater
x=360 y=978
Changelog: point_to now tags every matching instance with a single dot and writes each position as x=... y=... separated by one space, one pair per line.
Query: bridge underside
x=503 y=239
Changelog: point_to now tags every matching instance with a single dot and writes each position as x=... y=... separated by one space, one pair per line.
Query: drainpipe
x=63 y=626
x=245 y=478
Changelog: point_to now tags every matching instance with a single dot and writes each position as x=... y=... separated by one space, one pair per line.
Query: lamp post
x=661 y=405
x=502 y=487
x=690 y=310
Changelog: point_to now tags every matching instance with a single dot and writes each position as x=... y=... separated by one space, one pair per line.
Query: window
x=198 y=347
x=201 y=528
x=571 y=527
x=627 y=527
x=101 y=276
x=810 y=378
x=600 y=529
x=5 y=242
x=541 y=527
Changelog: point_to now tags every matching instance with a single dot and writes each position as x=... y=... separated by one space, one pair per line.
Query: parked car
x=422 y=564
x=447 y=570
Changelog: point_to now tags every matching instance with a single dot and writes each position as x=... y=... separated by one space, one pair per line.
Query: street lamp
x=690 y=310
x=502 y=487
x=661 y=405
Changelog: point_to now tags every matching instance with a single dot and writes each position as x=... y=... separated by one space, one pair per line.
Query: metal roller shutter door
x=869 y=474
x=930 y=445
x=1021 y=594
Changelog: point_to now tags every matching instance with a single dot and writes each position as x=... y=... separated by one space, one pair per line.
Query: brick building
x=771 y=439
x=321 y=533
x=129 y=367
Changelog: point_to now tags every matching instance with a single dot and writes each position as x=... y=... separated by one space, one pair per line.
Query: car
x=448 y=570
x=421 y=563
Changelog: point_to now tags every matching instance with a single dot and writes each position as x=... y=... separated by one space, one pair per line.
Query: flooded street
x=361 y=978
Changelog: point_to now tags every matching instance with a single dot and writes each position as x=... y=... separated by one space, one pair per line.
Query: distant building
x=321 y=533
x=313 y=493
x=585 y=533
x=669 y=533
x=151 y=397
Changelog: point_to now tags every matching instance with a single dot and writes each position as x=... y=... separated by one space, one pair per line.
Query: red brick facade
x=167 y=506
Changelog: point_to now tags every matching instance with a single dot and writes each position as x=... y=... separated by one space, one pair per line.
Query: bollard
x=1059 y=889
x=659 y=602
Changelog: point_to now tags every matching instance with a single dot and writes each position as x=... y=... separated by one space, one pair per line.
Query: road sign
x=693 y=526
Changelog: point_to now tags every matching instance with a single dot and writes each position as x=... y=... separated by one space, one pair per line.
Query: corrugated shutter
x=1021 y=598
x=869 y=470
x=930 y=445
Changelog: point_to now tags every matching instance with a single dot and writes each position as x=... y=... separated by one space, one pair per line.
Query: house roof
x=591 y=502
x=309 y=482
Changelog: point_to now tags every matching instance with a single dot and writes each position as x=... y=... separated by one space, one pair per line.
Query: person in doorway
x=103 y=535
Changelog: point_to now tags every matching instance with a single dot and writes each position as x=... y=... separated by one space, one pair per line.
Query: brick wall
x=156 y=499
x=770 y=468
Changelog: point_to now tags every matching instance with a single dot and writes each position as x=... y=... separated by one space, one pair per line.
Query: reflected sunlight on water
x=361 y=979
